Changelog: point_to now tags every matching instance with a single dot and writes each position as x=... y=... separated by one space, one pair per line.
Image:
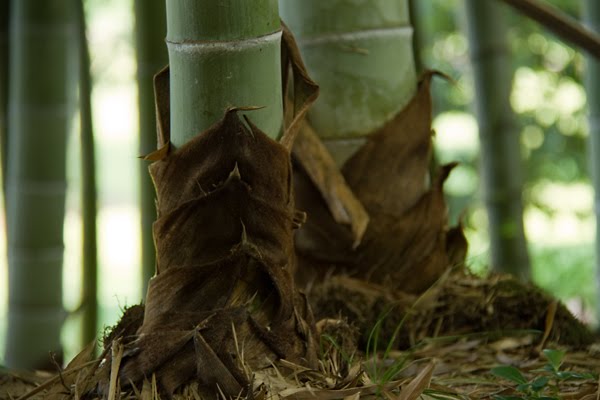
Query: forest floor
x=466 y=338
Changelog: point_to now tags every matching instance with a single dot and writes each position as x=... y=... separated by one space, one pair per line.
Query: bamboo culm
x=40 y=110
x=88 y=184
x=150 y=31
x=501 y=162
x=4 y=29
x=362 y=58
x=592 y=84
x=239 y=66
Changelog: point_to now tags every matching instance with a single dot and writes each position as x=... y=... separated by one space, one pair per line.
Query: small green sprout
x=543 y=387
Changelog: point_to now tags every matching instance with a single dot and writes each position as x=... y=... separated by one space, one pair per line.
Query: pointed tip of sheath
x=244 y=238
x=235 y=172
x=158 y=154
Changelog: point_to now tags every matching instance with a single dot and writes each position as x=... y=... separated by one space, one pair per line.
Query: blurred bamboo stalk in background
x=150 y=31
x=40 y=111
x=88 y=183
x=591 y=15
x=501 y=163
x=417 y=35
x=4 y=29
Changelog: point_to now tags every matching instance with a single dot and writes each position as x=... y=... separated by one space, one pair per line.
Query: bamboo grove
x=288 y=188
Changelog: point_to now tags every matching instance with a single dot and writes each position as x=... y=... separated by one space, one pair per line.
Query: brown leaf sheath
x=305 y=90
x=314 y=160
x=224 y=260
x=223 y=298
x=405 y=244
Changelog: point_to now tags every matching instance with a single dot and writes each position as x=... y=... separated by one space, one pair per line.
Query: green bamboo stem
x=40 y=103
x=414 y=11
x=592 y=84
x=4 y=20
x=360 y=53
x=150 y=30
x=499 y=138
x=223 y=54
x=88 y=184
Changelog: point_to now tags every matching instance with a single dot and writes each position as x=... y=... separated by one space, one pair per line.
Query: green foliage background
x=548 y=98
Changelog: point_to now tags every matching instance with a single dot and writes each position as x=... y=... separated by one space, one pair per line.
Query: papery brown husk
x=407 y=244
x=223 y=298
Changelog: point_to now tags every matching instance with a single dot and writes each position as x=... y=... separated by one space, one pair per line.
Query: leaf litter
x=457 y=368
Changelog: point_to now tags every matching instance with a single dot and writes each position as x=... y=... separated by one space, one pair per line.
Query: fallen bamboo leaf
x=146 y=393
x=415 y=388
x=56 y=379
x=117 y=355
x=549 y=323
x=83 y=357
x=330 y=394
x=355 y=396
